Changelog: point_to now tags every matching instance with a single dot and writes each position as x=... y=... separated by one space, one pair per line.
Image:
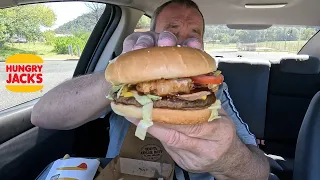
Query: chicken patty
x=164 y=87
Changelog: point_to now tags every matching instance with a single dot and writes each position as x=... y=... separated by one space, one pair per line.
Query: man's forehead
x=177 y=10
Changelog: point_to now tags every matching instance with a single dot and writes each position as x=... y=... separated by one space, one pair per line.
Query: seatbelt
x=174 y=176
x=185 y=174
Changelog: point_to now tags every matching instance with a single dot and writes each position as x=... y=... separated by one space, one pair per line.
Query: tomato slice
x=205 y=79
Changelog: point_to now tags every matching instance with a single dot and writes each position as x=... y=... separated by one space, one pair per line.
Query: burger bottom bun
x=161 y=115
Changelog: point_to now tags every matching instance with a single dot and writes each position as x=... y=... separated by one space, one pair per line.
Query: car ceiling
x=297 y=12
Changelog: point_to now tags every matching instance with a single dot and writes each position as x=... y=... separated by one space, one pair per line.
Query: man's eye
x=196 y=31
x=173 y=26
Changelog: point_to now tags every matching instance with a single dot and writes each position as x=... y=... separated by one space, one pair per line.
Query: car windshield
x=266 y=44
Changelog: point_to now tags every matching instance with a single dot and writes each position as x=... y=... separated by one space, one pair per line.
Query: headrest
x=244 y=61
x=300 y=64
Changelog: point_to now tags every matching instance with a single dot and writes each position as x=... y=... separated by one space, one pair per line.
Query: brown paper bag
x=143 y=160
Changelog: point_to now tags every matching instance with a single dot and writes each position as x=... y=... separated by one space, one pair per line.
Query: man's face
x=181 y=21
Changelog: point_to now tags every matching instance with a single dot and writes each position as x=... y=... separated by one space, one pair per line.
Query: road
x=55 y=72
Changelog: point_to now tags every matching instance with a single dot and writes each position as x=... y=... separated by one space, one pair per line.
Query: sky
x=67 y=11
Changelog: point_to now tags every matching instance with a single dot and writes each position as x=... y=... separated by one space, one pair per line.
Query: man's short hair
x=186 y=3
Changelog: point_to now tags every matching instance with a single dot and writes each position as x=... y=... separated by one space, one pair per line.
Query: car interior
x=279 y=100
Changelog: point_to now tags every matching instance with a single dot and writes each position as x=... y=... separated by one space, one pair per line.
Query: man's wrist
x=237 y=160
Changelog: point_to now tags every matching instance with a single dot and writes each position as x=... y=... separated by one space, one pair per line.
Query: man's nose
x=182 y=37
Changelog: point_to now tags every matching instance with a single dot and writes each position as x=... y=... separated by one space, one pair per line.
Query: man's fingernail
x=144 y=41
x=194 y=43
x=140 y=46
x=167 y=39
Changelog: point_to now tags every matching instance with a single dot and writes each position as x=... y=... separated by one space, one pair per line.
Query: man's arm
x=72 y=103
x=246 y=156
x=244 y=162
x=79 y=100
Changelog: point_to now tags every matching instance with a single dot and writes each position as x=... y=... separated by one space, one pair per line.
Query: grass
x=6 y=51
x=209 y=47
x=41 y=49
x=271 y=46
x=289 y=46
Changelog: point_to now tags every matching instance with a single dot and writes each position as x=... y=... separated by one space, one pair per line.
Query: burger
x=174 y=85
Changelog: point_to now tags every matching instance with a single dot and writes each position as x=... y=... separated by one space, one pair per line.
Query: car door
x=69 y=37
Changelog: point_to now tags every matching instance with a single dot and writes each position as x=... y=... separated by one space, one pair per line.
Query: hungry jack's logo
x=24 y=73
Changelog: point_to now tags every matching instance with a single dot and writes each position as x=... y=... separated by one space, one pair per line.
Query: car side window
x=57 y=32
x=143 y=24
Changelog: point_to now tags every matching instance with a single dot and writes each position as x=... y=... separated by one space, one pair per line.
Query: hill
x=83 y=23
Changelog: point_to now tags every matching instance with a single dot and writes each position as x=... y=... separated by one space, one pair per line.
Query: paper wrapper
x=139 y=160
x=73 y=169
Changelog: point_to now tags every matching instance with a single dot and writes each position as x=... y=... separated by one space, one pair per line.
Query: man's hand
x=212 y=147
x=141 y=40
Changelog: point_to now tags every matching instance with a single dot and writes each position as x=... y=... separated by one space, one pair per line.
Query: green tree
x=49 y=37
x=209 y=33
x=25 y=21
x=6 y=21
x=225 y=38
x=96 y=10
x=307 y=33
x=78 y=39
x=83 y=23
x=270 y=34
x=242 y=35
x=3 y=35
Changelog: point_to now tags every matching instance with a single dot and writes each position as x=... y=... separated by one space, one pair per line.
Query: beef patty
x=171 y=103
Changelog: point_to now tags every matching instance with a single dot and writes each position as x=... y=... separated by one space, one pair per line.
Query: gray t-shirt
x=119 y=126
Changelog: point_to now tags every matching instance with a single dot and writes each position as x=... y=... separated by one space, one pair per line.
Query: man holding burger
x=221 y=149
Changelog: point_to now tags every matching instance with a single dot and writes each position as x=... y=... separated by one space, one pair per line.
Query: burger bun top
x=158 y=63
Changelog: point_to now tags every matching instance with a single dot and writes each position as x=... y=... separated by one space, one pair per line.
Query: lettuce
x=153 y=97
x=120 y=90
x=113 y=90
x=214 y=110
x=110 y=97
x=116 y=88
x=142 y=99
x=217 y=72
x=147 y=112
x=146 y=121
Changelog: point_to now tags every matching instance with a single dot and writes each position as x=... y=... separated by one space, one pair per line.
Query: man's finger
x=194 y=43
x=185 y=159
x=205 y=131
x=129 y=42
x=144 y=41
x=167 y=39
x=173 y=138
x=202 y=130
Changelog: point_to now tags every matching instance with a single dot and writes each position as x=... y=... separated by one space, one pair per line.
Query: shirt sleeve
x=242 y=128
